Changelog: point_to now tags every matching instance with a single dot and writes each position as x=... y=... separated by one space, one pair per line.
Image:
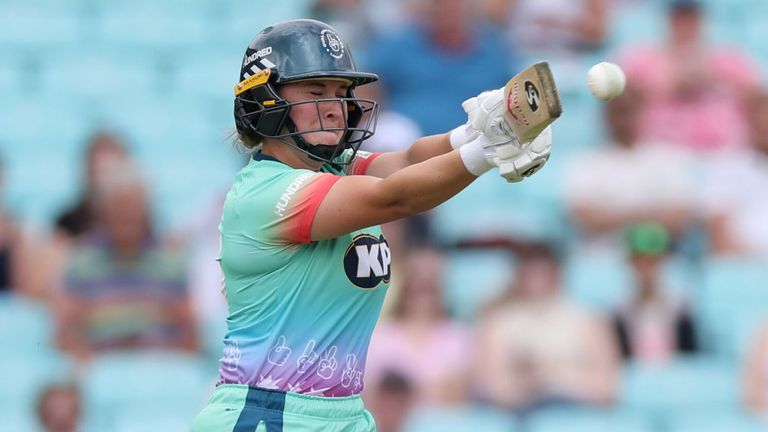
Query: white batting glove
x=485 y=114
x=516 y=161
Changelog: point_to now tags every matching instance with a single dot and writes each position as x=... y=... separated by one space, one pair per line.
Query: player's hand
x=517 y=161
x=485 y=114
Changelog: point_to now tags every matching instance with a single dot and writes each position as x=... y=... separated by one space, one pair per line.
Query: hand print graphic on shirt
x=328 y=363
x=307 y=358
x=232 y=355
x=279 y=353
x=348 y=375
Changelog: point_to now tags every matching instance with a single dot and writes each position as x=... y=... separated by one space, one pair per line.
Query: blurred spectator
x=447 y=55
x=59 y=408
x=551 y=26
x=653 y=327
x=736 y=196
x=48 y=255
x=123 y=288
x=11 y=248
x=391 y=399
x=755 y=380
x=421 y=342
x=695 y=91
x=537 y=349
x=628 y=182
x=104 y=150
x=394 y=131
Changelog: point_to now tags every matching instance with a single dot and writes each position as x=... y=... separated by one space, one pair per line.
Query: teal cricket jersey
x=301 y=313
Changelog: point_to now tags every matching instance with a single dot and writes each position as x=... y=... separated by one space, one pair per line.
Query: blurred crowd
x=676 y=176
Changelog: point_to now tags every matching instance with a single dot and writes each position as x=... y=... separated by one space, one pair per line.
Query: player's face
x=311 y=116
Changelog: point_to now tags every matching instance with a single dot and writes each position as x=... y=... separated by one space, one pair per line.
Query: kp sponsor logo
x=367 y=261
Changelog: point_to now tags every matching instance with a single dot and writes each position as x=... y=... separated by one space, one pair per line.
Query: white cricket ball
x=606 y=80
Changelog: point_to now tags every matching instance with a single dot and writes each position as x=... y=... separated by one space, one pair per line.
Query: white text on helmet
x=258 y=54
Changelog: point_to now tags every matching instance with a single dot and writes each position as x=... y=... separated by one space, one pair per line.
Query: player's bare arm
x=356 y=202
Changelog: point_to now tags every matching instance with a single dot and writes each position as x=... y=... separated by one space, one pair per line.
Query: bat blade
x=532 y=100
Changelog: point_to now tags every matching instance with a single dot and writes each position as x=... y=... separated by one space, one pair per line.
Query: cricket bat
x=532 y=102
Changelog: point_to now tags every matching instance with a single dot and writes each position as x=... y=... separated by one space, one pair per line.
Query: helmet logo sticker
x=332 y=43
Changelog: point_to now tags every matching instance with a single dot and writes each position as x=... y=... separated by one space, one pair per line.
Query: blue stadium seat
x=604 y=280
x=598 y=280
x=472 y=278
x=26 y=327
x=12 y=75
x=18 y=421
x=40 y=28
x=152 y=419
x=24 y=375
x=687 y=385
x=209 y=73
x=459 y=419
x=732 y=303
x=101 y=74
x=123 y=382
x=717 y=421
x=163 y=26
x=491 y=207
x=586 y=420
x=637 y=22
x=238 y=27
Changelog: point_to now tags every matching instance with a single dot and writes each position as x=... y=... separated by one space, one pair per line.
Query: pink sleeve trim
x=360 y=165
x=317 y=192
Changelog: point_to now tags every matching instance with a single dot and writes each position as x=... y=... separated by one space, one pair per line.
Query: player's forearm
x=423 y=149
x=423 y=186
x=426 y=148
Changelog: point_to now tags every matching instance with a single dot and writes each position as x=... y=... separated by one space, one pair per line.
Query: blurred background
x=622 y=288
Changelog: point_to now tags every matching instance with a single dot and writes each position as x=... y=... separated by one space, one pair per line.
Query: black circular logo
x=367 y=261
x=532 y=96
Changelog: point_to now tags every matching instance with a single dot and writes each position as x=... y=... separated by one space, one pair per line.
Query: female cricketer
x=305 y=263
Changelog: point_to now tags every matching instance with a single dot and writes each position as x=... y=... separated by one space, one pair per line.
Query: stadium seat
x=29 y=27
x=491 y=207
x=143 y=380
x=24 y=374
x=209 y=73
x=732 y=303
x=473 y=278
x=238 y=27
x=459 y=419
x=103 y=75
x=600 y=281
x=717 y=421
x=17 y=420
x=586 y=420
x=157 y=26
x=151 y=420
x=687 y=385
x=636 y=22
x=26 y=327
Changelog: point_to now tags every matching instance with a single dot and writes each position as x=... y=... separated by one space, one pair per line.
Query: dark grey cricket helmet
x=293 y=51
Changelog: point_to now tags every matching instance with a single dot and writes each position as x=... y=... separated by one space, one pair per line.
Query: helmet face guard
x=293 y=51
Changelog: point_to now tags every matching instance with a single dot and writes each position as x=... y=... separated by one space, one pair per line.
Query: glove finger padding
x=527 y=160
x=484 y=112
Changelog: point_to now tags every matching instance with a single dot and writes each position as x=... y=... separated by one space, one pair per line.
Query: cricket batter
x=305 y=263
